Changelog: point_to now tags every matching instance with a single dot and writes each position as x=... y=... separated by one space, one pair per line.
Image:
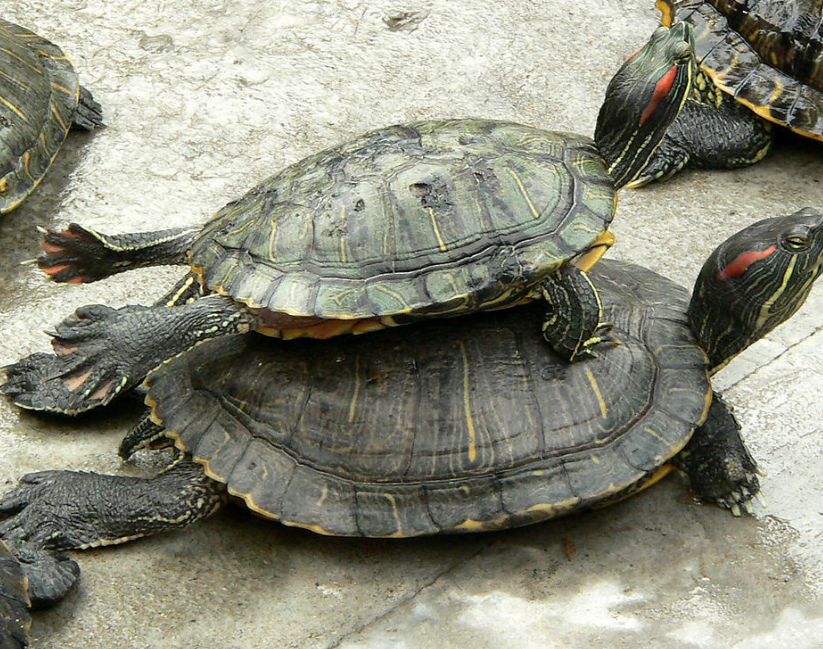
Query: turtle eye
x=681 y=51
x=795 y=242
x=796 y=239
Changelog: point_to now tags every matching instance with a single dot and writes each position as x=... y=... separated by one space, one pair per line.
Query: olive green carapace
x=470 y=424
x=39 y=93
x=766 y=54
x=431 y=217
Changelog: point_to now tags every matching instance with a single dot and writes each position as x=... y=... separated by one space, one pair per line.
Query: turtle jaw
x=643 y=99
x=754 y=281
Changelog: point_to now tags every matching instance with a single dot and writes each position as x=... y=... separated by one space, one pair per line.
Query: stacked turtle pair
x=453 y=425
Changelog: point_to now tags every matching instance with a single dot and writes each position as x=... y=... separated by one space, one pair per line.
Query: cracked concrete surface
x=205 y=98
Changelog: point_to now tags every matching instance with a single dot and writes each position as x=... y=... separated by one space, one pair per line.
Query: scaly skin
x=713 y=131
x=63 y=510
x=718 y=464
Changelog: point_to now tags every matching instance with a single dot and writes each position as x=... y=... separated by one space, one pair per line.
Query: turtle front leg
x=717 y=462
x=712 y=131
x=574 y=326
x=65 y=510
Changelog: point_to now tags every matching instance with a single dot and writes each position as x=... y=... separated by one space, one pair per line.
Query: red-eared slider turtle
x=403 y=223
x=14 y=602
x=761 y=63
x=29 y=575
x=450 y=426
x=40 y=100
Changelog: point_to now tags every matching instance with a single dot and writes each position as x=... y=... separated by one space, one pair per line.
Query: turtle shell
x=427 y=218
x=14 y=602
x=767 y=54
x=39 y=91
x=456 y=425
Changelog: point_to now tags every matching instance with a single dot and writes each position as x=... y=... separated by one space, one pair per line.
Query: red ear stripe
x=660 y=91
x=743 y=261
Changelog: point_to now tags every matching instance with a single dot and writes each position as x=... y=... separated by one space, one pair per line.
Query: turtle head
x=755 y=280
x=643 y=99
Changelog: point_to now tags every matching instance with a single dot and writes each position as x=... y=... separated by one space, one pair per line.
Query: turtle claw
x=602 y=336
x=86 y=361
x=739 y=500
x=76 y=255
x=47 y=510
x=36 y=383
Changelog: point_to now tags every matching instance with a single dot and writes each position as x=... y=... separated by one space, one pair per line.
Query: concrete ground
x=205 y=98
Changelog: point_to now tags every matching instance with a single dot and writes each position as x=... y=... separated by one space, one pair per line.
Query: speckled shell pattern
x=454 y=425
x=768 y=54
x=438 y=217
x=39 y=91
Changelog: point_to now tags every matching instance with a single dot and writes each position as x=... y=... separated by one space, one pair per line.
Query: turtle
x=761 y=64
x=408 y=222
x=29 y=576
x=450 y=426
x=40 y=100
x=14 y=602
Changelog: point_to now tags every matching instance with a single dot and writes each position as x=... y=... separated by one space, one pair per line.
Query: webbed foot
x=49 y=509
x=89 y=113
x=94 y=359
x=78 y=255
x=100 y=351
x=717 y=462
x=34 y=383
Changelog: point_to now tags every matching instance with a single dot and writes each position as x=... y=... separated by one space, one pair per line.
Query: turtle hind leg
x=89 y=114
x=712 y=131
x=36 y=382
x=717 y=462
x=100 y=351
x=64 y=510
x=574 y=327
x=78 y=255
